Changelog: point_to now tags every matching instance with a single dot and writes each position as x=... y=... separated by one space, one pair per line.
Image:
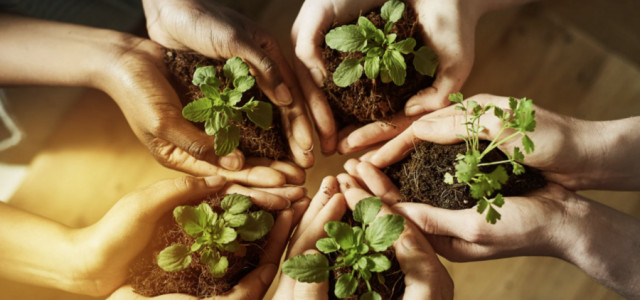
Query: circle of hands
x=546 y=222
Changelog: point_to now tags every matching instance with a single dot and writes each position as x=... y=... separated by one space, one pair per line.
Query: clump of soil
x=148 y=279
x=367 y=100
x=254 y=141
x=420 y=176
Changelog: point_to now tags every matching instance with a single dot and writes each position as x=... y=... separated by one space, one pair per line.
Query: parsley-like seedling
x=483 y=185
x=215 y=234
x=383 y=52
x=219 y=105
x=358 y=248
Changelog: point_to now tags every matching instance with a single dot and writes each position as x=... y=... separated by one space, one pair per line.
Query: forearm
x=491 y=5
x=35 y=250
x=39 y=52
x=605 y=243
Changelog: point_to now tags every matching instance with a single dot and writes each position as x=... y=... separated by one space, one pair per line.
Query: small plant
x=220 y=104
x=215 y=234
x=383 y=52
x=483 y=185
x=358 y=248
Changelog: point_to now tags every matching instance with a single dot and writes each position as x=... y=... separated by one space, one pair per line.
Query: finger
x=328 y=188
x=292 y=174
x=351 y=189
x=302 y=156
x=333 y=211
x=255 y=176
x=343 y=146
x=377 y=132
x=378 y=183
x=299 y=208
x=458 y=250
x=290 y=193
x=367 y=156
x=311 y=291
x=438 y=221
x=126 y=293
x=265 y=200
x=278 y=237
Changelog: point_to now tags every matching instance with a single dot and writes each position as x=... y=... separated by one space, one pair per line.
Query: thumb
x=311 y=291
x=438 y=221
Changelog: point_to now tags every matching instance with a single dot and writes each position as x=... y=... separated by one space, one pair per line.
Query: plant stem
x=368 y=285
x=494 y=163
x=491 y=147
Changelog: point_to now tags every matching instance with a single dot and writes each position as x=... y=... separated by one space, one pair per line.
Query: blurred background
x=68 y=154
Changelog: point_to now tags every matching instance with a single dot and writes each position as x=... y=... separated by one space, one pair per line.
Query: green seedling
x=358 y=248
x=383 y=54
x=483 y=185
x=220 y=104
x=215 y=234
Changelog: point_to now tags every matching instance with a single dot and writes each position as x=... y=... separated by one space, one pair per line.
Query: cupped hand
x=449 y=28
x=106 y=249
x=221 y=33
x=562 y=144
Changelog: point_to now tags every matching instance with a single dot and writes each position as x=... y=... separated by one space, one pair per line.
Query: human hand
x=449 y=28
x=221 y=33
x=107 y=248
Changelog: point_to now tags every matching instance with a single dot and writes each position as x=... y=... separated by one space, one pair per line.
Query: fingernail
x=413 y=110
x=423 y=127
x=328 y=153
x=268 y=273
x=215 y=181
x=288 y=203
x=409 y=242
x=317 y=76
x=231 y=162
x=283 y=95
x=305 y=190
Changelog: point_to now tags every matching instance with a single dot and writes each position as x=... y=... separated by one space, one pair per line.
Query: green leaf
x=384 y=75
x=362 y=248
x=235 y=68
x=341 y=233
x=362 y=263
x=347 y=72
x=375 y=51
x=380 y=36
x=348 y=38
x=372 y=66
x=195 y=247
x=206 y=75
x=207 y=256
x=498 y=200
x=406 y=46
x=199 y=110
x=174 y=258
x=365 y=274
x=218 y=266
x=234 y=220
x=391 y=38
x=392 y=10
x=234 y=96
x=497 y=178
x=367 y=209
x=236 y=203
x=517 y=168
x=492 y=215
x=498 y=112
x=211 y=217
x=482 y=205
x=456 y=98
x=260 y=114
x=232 y=246
x=448 y=178
x=346 y=286
x=380 y=262
x=517 y=155
x=307 y=268
x=394 y=62
x=327 y=245
x=372 y=295
x=244 y=83
x=232 y=114
x=425 y=61
x=367 y=26
x=258 y=224
x=387 y=28
x=480 y=188
x=210 y=91
x=225 y=235
x=359 y=234
x=351 y=259
x=382 y=232
x=217 y=122
x=192 y=220
x=467 y=168
x=227 y=140
x=380 y=279
x=528 y=144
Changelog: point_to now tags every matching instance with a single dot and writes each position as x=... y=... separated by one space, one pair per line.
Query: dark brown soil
x=149 y=280
x=368 y=100
x=420 y=176
x=393 y=286
x=254 y=141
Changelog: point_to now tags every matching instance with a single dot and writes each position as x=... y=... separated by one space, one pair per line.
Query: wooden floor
x=546 y=52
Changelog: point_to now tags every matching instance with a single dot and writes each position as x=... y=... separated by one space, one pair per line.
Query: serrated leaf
x=198 y=111
x=371 y=296
x=258 y=224
x=244 y=83
x=426 y=61
x=232 y=246
x=448 y=178
x=480 y=188
x=498 y=112
x=341 y=233
x=347 y=72
x=234 y=220
x=327 y=245
x=225 y=235
x=380 y=262
x=174 y=258
x=456 y=98
x=406 y=46
x=217 y=122
x=205 y=75
x=210 y=91
x=467 y=167
x=234 y=96
x=307 y=268
x=517 y=154
x=392 y=10
x=517 y=168
x=348 y=38
x=382 y=232
x=260 y=114
x=367 y=26
x=227 y=140
x=497 y=178
x=513 y=103
x=218 y=266
x=492 y=215
x=232 y=114
x=367 y=209
x=192 y=220
x=236 y=203
x=235 y=68
x=394 y=61
x=482 y=205
x=528 y=144
x=346 y=286
x=372 y=67
x=498 y=200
